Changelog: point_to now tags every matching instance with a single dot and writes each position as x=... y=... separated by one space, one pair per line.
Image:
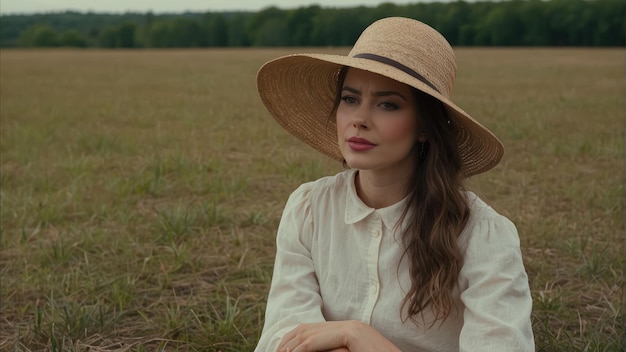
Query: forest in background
x=483 y=23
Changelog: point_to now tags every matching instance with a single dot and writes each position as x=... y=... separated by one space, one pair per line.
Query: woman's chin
x=357 y=163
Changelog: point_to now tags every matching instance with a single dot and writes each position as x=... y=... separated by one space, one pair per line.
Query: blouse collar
x=356 y=210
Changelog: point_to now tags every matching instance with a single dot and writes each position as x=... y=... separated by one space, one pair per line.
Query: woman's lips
x=360 y=144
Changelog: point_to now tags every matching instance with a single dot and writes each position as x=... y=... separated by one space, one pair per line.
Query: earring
x=422 y=151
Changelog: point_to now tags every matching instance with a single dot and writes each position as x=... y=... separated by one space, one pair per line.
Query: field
x=141 y=191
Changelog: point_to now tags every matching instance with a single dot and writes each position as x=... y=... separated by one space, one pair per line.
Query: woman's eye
x=348 y=99
x=388 y=106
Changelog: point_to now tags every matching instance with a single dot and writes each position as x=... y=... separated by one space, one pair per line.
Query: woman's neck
x=380 y=189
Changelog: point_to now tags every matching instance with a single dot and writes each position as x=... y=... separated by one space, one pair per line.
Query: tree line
x=483 y=23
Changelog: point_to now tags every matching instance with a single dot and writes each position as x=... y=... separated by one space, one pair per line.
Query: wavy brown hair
x=437 y=211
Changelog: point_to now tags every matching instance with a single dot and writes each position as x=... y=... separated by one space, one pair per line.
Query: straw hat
x=299 y=90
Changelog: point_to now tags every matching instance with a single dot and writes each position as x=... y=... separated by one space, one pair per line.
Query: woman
x=391 y=254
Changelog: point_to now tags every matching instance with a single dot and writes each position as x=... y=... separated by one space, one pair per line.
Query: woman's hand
x=316 y=337
x=353 y=336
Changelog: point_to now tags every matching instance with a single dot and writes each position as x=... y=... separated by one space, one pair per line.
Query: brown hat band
x=397 y=65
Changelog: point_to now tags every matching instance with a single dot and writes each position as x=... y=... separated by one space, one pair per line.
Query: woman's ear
x=421 y=137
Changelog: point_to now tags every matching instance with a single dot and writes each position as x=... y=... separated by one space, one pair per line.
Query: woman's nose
x=360 y=119
x=359 y=124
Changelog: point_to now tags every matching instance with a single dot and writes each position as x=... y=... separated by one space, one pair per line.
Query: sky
x=174 y=6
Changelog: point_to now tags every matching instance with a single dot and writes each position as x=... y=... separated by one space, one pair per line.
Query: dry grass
x=141 y=191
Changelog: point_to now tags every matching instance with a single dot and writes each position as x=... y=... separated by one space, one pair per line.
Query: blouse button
x=376 y=233
x=373 y=289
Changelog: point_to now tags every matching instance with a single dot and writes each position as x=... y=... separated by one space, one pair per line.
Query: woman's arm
x=294 y=296
x=495 y=290
x=335 y=336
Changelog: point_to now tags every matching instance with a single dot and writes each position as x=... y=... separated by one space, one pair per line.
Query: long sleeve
x=494 y=289
x=294 y=296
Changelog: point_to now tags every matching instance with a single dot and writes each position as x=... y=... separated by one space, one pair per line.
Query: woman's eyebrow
x=351 y=90
x=387 y=93
x=376 y=94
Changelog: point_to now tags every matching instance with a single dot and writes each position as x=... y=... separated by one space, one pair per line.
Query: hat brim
x=299 y=91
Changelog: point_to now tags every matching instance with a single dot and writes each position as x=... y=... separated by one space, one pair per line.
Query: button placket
x=375 y=226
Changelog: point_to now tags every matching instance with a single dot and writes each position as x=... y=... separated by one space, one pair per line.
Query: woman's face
x=377 y=123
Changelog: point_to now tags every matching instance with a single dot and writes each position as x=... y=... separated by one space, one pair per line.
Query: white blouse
x=338 y=259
